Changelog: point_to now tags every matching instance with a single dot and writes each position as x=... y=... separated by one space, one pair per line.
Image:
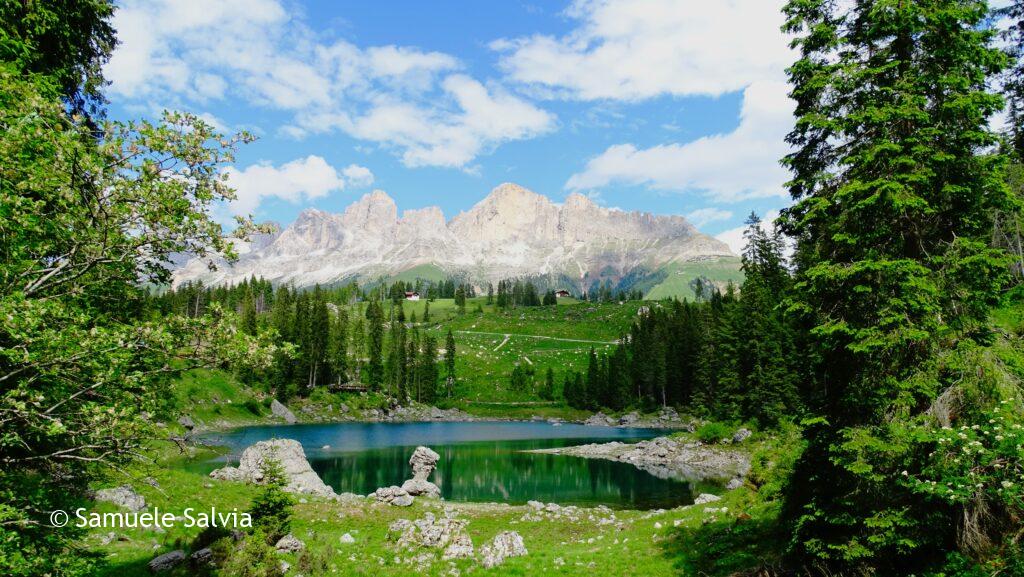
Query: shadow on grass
x=741 y=546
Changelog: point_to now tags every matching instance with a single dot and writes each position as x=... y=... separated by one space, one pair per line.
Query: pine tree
x=316 y=340
x=893 y=191
x=249 y=316
x=338 y=349
x=375 y=346
x=427 y=366
x=548 y=392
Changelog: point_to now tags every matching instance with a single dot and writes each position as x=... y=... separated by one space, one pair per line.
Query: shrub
x=714 y=432
x=254 y=559
x=253 y=406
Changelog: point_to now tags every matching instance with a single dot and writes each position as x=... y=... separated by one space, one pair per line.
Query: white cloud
x=413 y=102
x=728 y=167
x=636 y=49
x=703 y=216
x=300 y=180
x=358 y=176
x=631 y=50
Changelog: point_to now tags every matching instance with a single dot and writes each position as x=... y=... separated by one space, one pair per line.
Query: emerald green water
x=480 y=461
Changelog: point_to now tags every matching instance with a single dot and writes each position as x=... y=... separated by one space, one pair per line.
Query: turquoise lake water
x=480 y=461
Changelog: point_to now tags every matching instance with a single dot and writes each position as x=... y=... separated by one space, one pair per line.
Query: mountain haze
x=513 y=232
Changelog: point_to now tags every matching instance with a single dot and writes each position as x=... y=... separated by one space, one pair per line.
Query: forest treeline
x=734 y=355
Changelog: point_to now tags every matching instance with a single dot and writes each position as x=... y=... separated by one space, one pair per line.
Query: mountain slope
x=513 y=232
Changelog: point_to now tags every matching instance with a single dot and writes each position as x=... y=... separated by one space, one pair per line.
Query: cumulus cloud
x=636 y=49
x=703 y=216
x=300 y=180
x=416 y=103
x=631 y=50
x=728 y=167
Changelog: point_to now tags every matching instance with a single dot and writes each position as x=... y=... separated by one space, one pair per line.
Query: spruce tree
x=338 y=349
x=894 y=189
x=375 y=346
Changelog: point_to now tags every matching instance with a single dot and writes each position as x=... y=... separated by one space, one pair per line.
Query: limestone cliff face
x=511 y=232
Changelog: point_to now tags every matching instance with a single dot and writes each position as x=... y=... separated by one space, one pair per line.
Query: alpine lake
x=481 y=461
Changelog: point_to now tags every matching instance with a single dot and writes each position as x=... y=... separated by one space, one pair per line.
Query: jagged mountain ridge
x=513 y=232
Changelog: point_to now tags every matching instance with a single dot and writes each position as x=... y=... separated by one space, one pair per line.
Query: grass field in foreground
x=620 y=542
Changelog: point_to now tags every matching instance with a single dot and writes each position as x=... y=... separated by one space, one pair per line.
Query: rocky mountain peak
x=512 y=232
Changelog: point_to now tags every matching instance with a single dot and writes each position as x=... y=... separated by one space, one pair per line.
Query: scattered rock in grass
x=347 y=539
x=201 y=557
x=393 y=495
x=506 y=544
x=448 y=533
x=417 y=487
x=461 y=547
x=741 y=435
x=123 y=496
x=734 y=483
x=289 y=544
x=166 y=562
x=706 y=498
x=187 y=422
x=281 y=411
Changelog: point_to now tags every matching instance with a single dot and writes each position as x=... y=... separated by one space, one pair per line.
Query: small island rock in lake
x=288 y=452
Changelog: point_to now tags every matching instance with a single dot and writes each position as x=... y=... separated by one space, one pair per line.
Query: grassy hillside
x=490 y=342
x=680 y=276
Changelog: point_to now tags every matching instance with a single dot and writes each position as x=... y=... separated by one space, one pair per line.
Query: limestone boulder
x=289 y=454
x=123 y=496
x=504 y=545
x=281 y=411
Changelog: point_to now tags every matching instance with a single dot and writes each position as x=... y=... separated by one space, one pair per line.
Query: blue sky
x=667 y=106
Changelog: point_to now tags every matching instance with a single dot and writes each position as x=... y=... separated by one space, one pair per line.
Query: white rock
x=504 y=545
x=288 y=452
x=123 y=496
x=281 y=411
x=289 y=544
x=706 y=498
x=347 y=539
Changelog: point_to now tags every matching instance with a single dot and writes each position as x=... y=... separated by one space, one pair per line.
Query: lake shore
x=665 y=457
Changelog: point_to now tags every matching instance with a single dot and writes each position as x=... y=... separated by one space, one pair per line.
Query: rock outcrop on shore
x=288 y=452
x=423 y=463
x=666 y=418
x=666 y=458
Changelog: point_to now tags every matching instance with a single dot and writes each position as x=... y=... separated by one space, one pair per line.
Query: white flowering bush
x=978 y=460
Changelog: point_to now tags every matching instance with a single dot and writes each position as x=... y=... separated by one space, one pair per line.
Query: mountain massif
x=512 y=233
